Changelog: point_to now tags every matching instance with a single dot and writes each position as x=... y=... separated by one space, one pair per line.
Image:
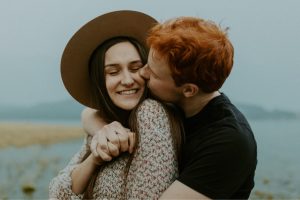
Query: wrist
x=95 y=161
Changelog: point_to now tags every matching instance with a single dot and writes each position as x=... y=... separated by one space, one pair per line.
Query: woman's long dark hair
x=110 y=112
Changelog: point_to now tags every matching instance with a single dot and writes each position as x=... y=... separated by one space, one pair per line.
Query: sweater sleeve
x=154 y=166
x=60 y=187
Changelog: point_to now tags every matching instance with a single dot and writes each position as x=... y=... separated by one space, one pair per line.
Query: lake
x=278 y=166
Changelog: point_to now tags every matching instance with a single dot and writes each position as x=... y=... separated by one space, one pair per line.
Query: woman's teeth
x=128 y=92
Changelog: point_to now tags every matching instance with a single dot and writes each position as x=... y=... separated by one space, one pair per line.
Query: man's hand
x=111 y=140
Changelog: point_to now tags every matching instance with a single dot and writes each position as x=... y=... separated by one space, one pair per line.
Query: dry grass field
x=25 y=134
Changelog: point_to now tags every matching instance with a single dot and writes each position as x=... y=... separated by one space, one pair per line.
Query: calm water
x=278 y=157
x=32 y=167
x=277 y=172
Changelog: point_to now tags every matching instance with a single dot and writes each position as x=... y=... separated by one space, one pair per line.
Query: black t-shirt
x=219 y=155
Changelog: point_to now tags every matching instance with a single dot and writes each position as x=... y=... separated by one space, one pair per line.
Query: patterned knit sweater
x=153 y=168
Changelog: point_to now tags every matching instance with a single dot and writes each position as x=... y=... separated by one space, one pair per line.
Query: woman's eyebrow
x=112 y=66
x=135 y=61
x=117 y=64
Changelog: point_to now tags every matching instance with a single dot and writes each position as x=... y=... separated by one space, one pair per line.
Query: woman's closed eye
x=134 y=67
x=112 y=71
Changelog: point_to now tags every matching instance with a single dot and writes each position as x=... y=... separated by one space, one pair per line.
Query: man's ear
x=190 y=89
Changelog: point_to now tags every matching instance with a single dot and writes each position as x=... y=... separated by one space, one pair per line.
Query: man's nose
x=144 y=72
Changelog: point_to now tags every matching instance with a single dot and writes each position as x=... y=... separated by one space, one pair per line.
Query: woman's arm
x=82 y=174
x=73 y=179
x=154 y=166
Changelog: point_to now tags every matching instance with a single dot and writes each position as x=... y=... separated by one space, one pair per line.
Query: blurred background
x=40 y=122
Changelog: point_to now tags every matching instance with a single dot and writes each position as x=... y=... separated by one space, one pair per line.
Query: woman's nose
x=127 y=79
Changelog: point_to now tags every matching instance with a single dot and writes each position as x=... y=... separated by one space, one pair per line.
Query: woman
x=107 y=78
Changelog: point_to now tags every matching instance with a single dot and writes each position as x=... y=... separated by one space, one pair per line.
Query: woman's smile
x=128 y=92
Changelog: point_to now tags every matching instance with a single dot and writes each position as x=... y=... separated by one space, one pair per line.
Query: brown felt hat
x=77 y=53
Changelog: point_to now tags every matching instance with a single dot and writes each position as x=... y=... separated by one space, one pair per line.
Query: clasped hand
x=112 y=140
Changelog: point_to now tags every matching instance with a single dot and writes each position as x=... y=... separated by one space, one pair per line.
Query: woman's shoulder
x=150 y=105
x=151 y=109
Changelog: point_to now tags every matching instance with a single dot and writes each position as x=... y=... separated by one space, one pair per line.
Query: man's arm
x=91 y=121
x=178 y=190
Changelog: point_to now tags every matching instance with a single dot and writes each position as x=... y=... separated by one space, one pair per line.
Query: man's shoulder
x=229 y=130
x=227 y=116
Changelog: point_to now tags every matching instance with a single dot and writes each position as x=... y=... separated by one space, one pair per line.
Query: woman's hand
x=112 y=140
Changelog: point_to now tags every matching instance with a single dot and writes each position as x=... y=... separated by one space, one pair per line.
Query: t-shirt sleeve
x=219 y=163
x=154 y=166
x=60 y=187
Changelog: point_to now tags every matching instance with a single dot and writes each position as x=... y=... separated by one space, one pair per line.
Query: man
x=189 y=60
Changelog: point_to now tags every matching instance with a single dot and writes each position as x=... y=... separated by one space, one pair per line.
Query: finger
x=98 y=160
x=111 y=135
x=113 y=150
x=124 y=140
x=131 y=141
x=114 y=129
x=93 y=147
x=104 y=156
x=118 y=127
x=122 y=134
x=127 y=129
x=102 y=143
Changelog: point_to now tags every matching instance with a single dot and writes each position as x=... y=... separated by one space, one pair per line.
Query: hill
x=67 y=109
x=71 y=110
x=257 y=113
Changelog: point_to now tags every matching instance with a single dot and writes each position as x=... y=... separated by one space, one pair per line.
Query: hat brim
x=77 y=53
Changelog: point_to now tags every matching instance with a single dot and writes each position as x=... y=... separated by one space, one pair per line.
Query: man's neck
x=193 y=105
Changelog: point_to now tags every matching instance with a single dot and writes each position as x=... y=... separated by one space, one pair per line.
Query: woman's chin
x=128 y=105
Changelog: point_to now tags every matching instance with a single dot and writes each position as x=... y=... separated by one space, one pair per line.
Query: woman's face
x=124 y=85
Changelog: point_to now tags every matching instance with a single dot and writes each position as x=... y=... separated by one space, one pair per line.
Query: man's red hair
x=197 y=51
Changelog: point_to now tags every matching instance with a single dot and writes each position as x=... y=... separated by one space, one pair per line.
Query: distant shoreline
x=21 y=134
x=41 y=121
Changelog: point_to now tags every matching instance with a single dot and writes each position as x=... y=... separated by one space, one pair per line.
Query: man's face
x=159 y=78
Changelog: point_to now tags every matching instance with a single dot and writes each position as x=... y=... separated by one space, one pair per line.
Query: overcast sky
x=265 y=34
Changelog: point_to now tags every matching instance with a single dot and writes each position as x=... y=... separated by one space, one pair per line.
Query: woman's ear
x=190 y=89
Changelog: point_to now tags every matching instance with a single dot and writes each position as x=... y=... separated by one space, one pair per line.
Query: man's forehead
x=151 y=54
x=155 y=57
x=157 y=63
x=151 y=58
